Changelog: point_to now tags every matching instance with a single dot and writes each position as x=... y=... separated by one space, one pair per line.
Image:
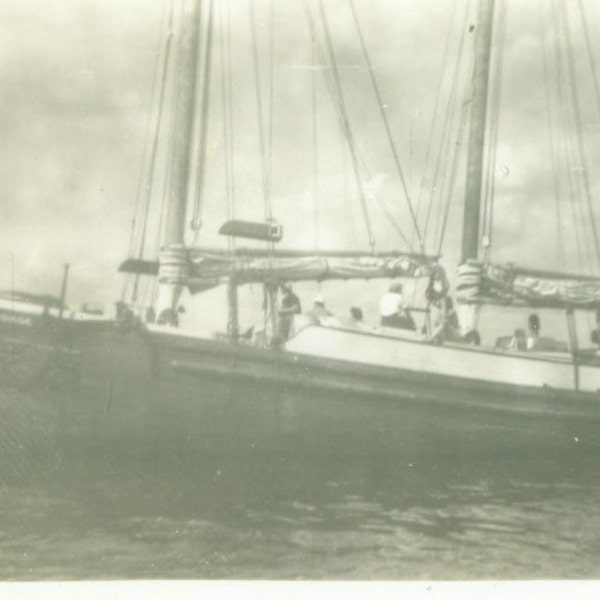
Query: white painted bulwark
x=483 y=365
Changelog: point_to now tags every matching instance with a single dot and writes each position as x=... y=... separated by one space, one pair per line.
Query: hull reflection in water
x=271 y=516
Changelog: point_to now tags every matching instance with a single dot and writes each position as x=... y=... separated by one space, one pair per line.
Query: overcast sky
x=76 y=81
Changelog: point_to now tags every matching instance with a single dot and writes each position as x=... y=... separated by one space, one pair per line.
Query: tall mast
x=481 y=69
x=182 y=128
x=173 y=259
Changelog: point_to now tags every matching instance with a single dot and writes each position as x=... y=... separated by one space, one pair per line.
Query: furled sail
x=511 y=285
x=207 y=268
x=274 y=269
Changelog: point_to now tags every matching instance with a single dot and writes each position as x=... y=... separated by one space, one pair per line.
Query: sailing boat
x=145 y=381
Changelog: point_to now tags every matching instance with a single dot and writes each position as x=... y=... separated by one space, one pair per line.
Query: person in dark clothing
x=355 y=319
x=533 y=337
x=447 y=328
x=290 y=306
x=356 y=314
x=595 y=335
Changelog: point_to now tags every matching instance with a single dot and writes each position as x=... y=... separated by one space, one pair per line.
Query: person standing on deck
x=595 y=335
x=290 y=306
x=393 y=311
x=518 y=341
x=533 y=336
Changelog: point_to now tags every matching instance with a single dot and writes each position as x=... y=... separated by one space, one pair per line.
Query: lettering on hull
x=16 y=319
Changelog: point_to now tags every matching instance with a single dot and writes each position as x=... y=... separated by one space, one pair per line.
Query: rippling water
x=279 y=518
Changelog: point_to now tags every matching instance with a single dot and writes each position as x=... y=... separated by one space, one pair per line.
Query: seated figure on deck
x=538 y=343
x=515 y=342
x=319 y=314
x=170 y=316
x=447 y=328
x=124 y=315
x=356 y=320
x=518 y=341
x=393 y=311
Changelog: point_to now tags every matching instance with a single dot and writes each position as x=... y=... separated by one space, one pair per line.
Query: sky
x=78 y=102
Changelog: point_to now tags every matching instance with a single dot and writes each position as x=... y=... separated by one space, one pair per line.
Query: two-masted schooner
x=140 y=381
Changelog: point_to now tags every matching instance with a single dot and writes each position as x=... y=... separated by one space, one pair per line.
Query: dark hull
x=102 y=389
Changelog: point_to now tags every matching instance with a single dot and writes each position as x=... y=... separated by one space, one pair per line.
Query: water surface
x=278 y=518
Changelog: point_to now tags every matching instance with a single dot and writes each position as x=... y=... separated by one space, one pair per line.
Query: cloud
x=77 y=83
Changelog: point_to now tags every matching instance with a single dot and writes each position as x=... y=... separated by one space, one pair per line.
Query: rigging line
x=230 y=111
x=566 y=127
x=154 y=152
x=322 y=61
x=449 y=149
x=386 y=123
x=590 y=53
x=224 y=104
x=346 y=190
x=144 y=191
x=578 y=181
x=579 y=128
x=346 y=126
x=572 y=192
x=271 y=95
x=446 y=55
x=336 y=106
x=326 y=72
x=259 y=108
x=315 y=148
x=205 y=110
x=561 y=143
x=383 y=205
x=327 y=77
x=453 y=172
x=445 y=135
x=159 y=125
x=142 y=179
x=551 y=140
x=386 y=211
x=319 y=56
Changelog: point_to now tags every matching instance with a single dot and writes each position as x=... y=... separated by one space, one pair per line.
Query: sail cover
x=206 y=268
x=511 y=285
x=252 y=269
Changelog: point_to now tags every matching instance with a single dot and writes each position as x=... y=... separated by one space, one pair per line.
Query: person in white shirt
x=393 y=311
x=319 y=314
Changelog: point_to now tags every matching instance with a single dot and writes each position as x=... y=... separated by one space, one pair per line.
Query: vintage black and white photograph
x=299 y=290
